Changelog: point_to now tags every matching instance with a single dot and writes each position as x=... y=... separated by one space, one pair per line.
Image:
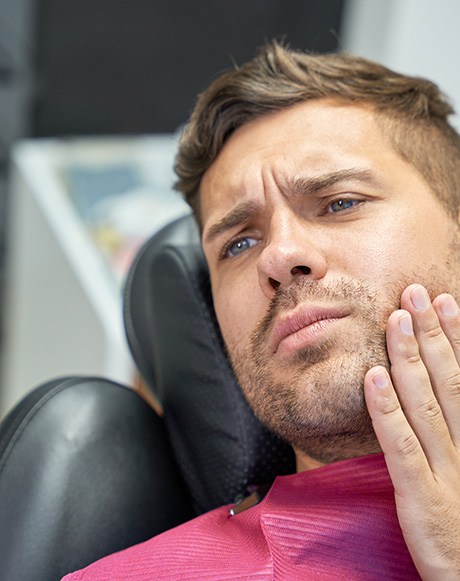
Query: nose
x=291 y=252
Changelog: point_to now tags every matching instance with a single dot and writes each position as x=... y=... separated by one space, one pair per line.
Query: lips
x=304 y=326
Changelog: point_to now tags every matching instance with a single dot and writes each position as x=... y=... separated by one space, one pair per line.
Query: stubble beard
x=315 y=399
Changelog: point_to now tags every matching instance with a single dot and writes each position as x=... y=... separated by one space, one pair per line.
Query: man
x=327 y=190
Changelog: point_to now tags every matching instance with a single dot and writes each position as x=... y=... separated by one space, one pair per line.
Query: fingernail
x=420 y=298
x=380 y=379
x=405 y=324
x=448 y=306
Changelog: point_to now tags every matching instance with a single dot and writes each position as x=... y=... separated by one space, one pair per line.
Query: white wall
x=418 y=37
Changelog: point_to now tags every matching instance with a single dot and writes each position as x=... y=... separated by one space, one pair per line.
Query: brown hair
x=412 y=112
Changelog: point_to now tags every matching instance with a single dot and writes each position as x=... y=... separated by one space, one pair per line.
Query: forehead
x=309 y=138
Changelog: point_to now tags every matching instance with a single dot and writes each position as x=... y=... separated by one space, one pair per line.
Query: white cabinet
x=66 y=261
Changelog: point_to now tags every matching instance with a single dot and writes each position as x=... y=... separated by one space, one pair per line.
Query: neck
x=305 y=462
x=322 y=452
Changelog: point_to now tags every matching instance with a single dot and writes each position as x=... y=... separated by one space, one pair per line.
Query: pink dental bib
x=336 y=522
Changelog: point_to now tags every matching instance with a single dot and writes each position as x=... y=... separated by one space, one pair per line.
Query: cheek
x=368 y=254
x=238 y=309
x=423 y=243
x=234 y=317
x=404 y=248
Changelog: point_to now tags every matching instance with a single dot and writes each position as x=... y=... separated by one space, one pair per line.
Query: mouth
x=304 y=327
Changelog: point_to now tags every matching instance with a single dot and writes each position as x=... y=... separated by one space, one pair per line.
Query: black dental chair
x=87 y=467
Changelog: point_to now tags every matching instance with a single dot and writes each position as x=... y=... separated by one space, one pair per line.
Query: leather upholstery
x=85 y=470
x=221 y=447
x=87 y=467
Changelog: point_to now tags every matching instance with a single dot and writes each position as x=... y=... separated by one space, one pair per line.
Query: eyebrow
x=298 y=186
x=236 y=217
x=302 y=186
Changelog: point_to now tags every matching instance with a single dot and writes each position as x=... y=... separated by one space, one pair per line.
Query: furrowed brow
x=236 y=217
x=310 y=185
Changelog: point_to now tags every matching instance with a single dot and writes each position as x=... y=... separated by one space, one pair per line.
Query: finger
x=404 y=455
x=448 y=314
x=437 y=353
x=412 y=383
x=427 y=506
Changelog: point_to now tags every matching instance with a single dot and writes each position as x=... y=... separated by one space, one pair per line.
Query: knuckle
x=433 y=332
x=409 y=351
x=414 y=358
x=429 y=409
x=451 y=384
x=407 y=444
x=390 y=407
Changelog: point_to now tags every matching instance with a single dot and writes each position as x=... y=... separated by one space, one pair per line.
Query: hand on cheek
x=415 y=412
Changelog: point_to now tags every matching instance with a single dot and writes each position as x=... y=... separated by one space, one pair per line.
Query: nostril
x=274 y=283
x=301 y=270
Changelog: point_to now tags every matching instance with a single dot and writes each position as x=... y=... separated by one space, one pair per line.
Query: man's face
x=312 y=227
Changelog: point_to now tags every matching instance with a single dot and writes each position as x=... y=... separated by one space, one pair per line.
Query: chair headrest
x=175 y=340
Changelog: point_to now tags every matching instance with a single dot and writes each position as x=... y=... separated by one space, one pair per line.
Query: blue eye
x=342 y=204
x=239 y=246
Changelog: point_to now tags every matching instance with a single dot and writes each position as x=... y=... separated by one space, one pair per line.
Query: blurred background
x=93 y=94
